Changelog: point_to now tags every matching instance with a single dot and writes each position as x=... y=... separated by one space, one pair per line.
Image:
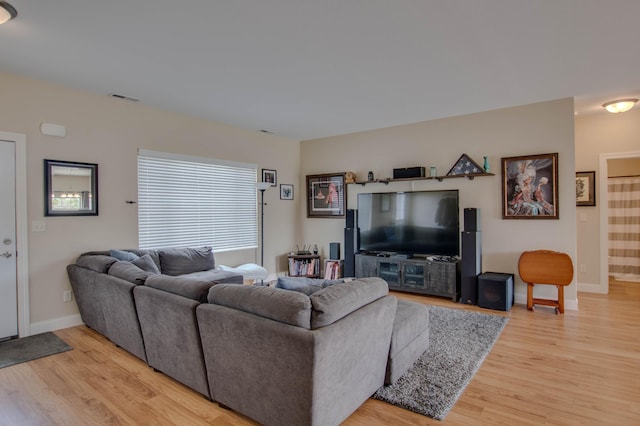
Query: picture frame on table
x=326 y=195
x=270 y=176
x=530 y=187
x=286 y=191
x=586 y=188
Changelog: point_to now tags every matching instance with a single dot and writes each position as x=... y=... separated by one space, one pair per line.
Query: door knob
x=7 y=254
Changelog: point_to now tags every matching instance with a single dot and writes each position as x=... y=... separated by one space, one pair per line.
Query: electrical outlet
x=38 y=226
x=66 y=296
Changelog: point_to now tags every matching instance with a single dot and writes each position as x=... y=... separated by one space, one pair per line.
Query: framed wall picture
x=286 y=191
x=326 y=195
x=585 y=188
x=270 y=176
x=530 y=187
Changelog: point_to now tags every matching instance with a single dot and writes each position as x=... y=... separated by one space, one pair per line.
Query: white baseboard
x=590 y=288
x=55 y=324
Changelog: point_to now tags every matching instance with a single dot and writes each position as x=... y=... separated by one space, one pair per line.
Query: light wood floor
x=580 y=368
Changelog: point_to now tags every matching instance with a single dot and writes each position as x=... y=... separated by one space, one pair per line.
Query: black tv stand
x=432 y=275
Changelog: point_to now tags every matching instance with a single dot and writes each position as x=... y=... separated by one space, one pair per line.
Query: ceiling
x=309 y=69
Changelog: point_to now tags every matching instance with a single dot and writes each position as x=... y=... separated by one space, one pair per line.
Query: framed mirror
x=70 y=189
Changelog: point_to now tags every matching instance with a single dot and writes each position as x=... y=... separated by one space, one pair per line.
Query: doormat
x=459 y=341
x=29 y=348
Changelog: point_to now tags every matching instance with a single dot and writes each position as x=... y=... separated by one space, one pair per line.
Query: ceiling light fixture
x=621 y=105
x=7 y=12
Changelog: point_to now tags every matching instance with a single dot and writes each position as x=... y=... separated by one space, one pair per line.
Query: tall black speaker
x=472 y=220
x=350 y=242
x=471 y=266
x=351 y=219
x=350 y=249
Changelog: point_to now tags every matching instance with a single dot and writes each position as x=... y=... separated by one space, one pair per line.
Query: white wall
x=596 y=135
x=108 y=131
x=533 y=129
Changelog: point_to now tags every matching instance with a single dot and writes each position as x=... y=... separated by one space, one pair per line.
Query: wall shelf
x=469 y=176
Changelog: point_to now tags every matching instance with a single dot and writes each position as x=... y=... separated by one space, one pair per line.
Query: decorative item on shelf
x=433 y=171
x=465 y=166
x=486 y=164
x=349 y=177
x=304 y=251
x=370 y=176
x=315 y=249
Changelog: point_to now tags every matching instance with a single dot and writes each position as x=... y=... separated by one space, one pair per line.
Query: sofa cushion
x=99 y=263
x=304 y=285
x=411 y=320
x=128 y=271
x=123 y=255
x=146 y=263
x=180 y=261
x=217 y=276
x=192 y=288
x=288 y=307
x=337 y=301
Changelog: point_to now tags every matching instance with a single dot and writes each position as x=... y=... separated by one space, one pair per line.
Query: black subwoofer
x=495 y=291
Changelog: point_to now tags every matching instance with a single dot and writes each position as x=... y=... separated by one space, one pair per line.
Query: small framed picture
x=270 y=176
x=585 y=188
x=286 y=191
x=326 y=195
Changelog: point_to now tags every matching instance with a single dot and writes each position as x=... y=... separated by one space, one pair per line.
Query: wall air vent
x=126 y=98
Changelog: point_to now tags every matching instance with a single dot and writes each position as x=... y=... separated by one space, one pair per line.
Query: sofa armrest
x=97 y=262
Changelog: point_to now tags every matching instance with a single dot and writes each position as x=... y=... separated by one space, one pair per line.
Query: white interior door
x=8 y=264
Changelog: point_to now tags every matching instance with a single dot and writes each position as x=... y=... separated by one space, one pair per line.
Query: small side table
x=545 y=267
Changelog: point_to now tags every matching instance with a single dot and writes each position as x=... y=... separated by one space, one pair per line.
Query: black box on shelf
x=408 y=172
x=495 y=291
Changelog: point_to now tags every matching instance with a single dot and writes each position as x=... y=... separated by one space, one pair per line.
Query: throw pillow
x=146 y=263
x=123 y=255
x=129 y=272
x=180 y=261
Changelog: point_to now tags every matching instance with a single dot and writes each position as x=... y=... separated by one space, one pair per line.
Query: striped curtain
x=624 y=228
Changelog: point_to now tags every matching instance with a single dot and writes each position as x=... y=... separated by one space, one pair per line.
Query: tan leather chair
x=545 y=267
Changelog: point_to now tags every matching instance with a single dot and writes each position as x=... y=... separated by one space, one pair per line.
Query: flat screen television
x=415 y=222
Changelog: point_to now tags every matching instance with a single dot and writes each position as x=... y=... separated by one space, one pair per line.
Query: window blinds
x=192 y=201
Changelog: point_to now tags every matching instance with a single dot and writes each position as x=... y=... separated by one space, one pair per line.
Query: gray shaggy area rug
x=29 y=348
x=459 y=341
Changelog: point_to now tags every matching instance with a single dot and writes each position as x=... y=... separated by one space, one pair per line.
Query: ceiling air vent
x=126 y=98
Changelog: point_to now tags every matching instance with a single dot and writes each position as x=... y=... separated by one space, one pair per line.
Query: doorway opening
x=604 y=213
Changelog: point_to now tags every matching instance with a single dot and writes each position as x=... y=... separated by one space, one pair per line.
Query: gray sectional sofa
x=285 y=358
x=306 y=357
x=147 y=304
